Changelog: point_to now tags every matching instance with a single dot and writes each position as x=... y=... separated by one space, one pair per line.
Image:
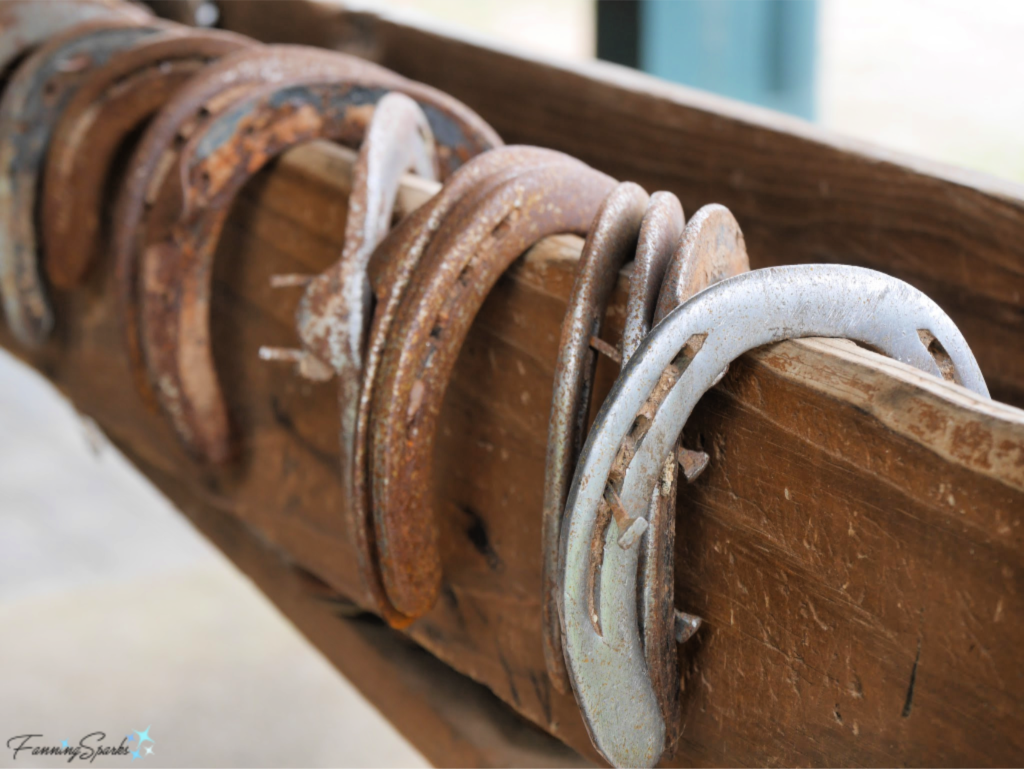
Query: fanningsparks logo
x=138 y=745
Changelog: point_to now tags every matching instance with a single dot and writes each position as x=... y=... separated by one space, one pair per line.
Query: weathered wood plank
x=855 y=545
x=802 y=193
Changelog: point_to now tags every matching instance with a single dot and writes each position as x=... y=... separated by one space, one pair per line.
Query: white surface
x=115 y=615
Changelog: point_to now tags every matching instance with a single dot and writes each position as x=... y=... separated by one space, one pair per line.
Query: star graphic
x=130 y=737
x=149 y=750
x=135 y=754
x=144 y=736
x=64 y=744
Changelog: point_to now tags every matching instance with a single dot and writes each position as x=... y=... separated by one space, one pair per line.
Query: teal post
x=758 y=51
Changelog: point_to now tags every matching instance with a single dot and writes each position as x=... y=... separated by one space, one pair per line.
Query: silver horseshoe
x=680 y=360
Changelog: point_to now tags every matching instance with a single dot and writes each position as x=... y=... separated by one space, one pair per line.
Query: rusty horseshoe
x=24 y=24
x=32 y=103
x=108 y=108
x=149 y=202
x=391 y=270
x=711 y=249
x=175 y=275
x=479 y=239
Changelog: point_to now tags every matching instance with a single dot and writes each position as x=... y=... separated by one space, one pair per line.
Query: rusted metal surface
x=611 y=242
x=334 y=312
x=659 y=237
x=149 y=201
x=390 y=272
x=712 y=249
x=24 y=24
x=213 y=166
x=109 y=108
x=637 y=429
x=481 y=236
x=32 y=103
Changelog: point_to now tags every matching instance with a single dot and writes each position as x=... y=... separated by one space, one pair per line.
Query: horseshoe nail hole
x=502 y=228
x=435 y=332
x=692 y=346
x=604 y=519
x=938 y=353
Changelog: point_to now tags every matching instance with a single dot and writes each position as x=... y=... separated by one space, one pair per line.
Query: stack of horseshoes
x=203 y=111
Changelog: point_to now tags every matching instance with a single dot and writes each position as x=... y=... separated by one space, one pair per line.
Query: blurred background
x=114 y=612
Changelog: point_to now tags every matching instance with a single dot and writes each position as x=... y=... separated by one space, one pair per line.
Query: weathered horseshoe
x=659 y=241
x=333 y=315
x=610 y=243
x=215 y=164
x=109 y=107
x=480 y=238
x=659 y=237
x=390 y=272
x=32 y=103
x=24 y=24
x=711 y=249
x=676 y=364
x=150 y=198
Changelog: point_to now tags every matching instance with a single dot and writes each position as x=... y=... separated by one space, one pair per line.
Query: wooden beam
x=802 y=193
x=855 y=545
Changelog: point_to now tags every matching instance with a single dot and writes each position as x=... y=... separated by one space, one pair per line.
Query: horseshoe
x=150 y=195
x=711 y=249
x=610 y=243
x=333 y=315
x=24 y=24
x=110 y=105
x=215 y=164
x=31 y=105
x=390 y=272
x=480 y=238
x=676 y=364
